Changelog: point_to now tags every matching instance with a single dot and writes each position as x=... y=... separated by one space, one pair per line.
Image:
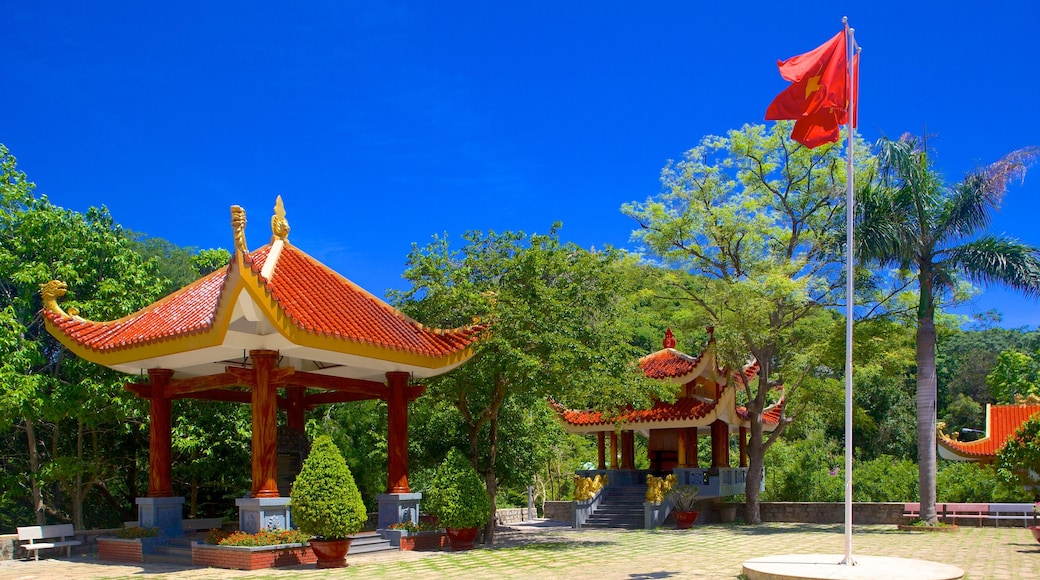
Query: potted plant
x=326 y=503
x=458 y=498
x=684 y=505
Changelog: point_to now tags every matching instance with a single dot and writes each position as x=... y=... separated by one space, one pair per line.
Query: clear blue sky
x=383 y=123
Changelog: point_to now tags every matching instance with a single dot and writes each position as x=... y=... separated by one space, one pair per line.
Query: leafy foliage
x=456 y=495
x=1015 y=374
x=1019 y=459
x=749 y=221
x=325 y=500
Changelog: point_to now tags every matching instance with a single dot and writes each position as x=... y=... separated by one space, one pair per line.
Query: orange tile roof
x=314 y=298
x=771 y=416
x=188 y=310
x=668 y=364
x=685 y=408
x=1001 y=423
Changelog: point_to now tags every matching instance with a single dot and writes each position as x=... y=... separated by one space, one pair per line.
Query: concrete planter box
x=423 y=541
x=251 y=558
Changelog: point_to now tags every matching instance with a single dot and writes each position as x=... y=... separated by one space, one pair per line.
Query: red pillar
x=743 y=446
x=613 y=450
x=295 y=415
x=682 y=445
x=693 y=451
x=397 y=434
x=628 y=450
x=160 y=440
x=265 y=425
x=719 y=444
x=601 y=450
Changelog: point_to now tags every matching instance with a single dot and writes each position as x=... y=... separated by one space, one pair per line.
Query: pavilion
x=277 y=330
x=1001 y=423
x=706 y=405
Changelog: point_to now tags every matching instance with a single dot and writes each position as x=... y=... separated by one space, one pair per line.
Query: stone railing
x=561 y=511
x=506 y=516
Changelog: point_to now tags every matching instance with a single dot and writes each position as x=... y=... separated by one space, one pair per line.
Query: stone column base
x=260 y=513
x=398 y=507
x=165 y=513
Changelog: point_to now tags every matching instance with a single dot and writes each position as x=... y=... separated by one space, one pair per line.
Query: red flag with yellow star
x=818 y=98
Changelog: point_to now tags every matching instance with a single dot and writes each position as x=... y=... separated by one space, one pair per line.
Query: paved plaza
x=545 y=551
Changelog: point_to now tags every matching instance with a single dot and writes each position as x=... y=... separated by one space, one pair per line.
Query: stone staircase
x=178 y=550
x=621 y=507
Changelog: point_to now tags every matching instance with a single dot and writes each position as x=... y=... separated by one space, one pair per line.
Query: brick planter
x=424 y=541
x=251 y=558
x=126 y=549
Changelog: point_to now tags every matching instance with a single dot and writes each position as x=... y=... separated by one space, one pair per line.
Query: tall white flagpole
x=850 y=297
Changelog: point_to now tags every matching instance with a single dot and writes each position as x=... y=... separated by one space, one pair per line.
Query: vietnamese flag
x=818 y=98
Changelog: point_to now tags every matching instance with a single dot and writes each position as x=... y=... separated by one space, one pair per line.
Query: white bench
x=56 y=536
x=1011 y=511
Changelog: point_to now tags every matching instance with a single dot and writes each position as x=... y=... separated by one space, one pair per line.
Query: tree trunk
x=490 y=481
x=756 y=450
x=34 y=472
x=926 y=399
x=77 y=483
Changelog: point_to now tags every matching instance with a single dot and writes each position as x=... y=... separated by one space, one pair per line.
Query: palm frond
x=999 y=260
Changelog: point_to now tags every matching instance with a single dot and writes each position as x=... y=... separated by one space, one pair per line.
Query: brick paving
x=547 y=551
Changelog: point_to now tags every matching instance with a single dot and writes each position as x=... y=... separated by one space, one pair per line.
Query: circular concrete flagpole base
x=829 y=567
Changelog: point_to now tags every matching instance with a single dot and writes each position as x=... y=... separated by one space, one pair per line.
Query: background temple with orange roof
x=1001 y=423
x=706 y=405
x=277 y=330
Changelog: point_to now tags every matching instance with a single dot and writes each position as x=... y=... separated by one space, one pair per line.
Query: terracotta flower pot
x=683 y=520
x=462 y=538
x=1035 y=530
x=330 y=553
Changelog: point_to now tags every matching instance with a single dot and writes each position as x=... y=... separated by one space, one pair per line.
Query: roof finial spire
x=279 y=225
x=238 y=226
x=669 y=339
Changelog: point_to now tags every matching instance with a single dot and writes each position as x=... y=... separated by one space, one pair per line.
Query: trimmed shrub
x=325 y=500
x=457 y=495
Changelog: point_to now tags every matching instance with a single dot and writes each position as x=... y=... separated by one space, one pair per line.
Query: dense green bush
x=804 y=470
x=964 y=481
x=325 y=500
x=886 y=478
x=456 y=494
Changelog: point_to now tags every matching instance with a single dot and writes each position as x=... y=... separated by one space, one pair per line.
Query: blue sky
x=383 y=123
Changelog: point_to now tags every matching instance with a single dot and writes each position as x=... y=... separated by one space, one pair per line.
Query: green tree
x=909 y=218
x=71 y=413
x=1018 y=461
x=1015 y=374
x=554 y=313
x=752 y=216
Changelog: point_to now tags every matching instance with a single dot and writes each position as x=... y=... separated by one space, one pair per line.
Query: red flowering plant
x=261 y=538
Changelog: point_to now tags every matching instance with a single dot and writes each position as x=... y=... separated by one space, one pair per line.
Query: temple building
x=277 y=330
x=706 y=406
x=1001 y=423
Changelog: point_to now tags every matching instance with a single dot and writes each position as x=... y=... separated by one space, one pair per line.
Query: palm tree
x=910 y=219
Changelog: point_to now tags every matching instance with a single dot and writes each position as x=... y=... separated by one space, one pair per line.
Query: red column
x=682 y=445
x=693 y=451
x=743 y=446
x=613 y=450
x=160 y=439
x=397 y=434
x=719 y=444
x=295 y=415
x=628 y=450
x=601 y=450
x=265 y=425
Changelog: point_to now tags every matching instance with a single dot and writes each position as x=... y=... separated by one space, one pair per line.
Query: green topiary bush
x=456 y=494
x=325 y=500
